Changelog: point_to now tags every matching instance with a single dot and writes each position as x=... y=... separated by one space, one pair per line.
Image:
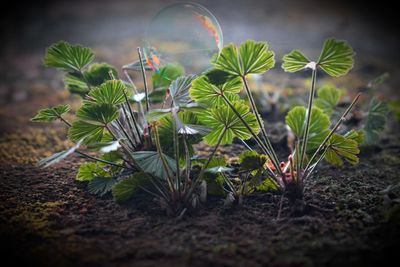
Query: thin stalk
x=91 y=157
x=124 y=148
x=230 y=184
x=99 y=160
x=308 y=118
x=312 y=168
x=176 y=151
x=128 y=120
x=135 y=123
x=136 y=92
x=260 y=123
x=126 y=134
x=259 y=142
x=187 y=157
x=246 y=145
x=163 y=161
x=298 y=166
x=215 y=149
x=160 y=189
x=200 y=177
x=146 y=91
x=280 y=207
x=64 y=120
x=339 y=122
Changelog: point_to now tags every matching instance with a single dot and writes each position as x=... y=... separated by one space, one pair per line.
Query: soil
x=47 y=218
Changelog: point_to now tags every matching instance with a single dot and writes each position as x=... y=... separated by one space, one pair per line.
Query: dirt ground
x=49 y=219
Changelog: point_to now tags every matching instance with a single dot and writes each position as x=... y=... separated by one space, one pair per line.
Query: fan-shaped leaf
x=376 y=121
x=255 y=57
x=68 y=57
x=228 y=60
x=358 y=136
x=150 y=162
x=319 y=126
x=110 y=92
x=127 y=188
x=98 y=73
x=336 y=58
x=75 y=84
x=204 y=91
x=51 y=114
x=88 y=170
x=328 y=98
x=224 y=122
x=101 y=185
x=91 y=132
x=295 y=61
x=188 y=122
x=179 y=90
x=97 y=114
x=251 y=58
x=251 y=160
x=339 y=148
x=218 y=77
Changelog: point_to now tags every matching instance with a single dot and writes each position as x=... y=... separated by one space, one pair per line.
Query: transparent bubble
x=186 y=34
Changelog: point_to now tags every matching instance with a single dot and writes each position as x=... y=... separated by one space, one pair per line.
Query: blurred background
x=115 y=28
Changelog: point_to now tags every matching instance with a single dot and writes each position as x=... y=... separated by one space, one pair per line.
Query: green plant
x=151 y=149
x=130 y=150
x=315 y=140
x=372 y=118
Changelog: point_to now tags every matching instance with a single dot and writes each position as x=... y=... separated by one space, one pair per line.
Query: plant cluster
x=143 y=141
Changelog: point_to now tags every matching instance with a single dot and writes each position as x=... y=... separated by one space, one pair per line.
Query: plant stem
x=126 y=134
x=136 y=92
x=264 y=135
x=176 y=150
x=129 y=123
x=163 y=161
x=201 y=174
x=215 y=149
x=123 y=147
x=308 y=118
x=146 y=91
x=64 y=120
x=339 y=122
x=135 y=123
x=259 y=142
x=99 y=160
x=187 y=157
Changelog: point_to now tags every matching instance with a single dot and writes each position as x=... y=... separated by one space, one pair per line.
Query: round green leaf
x=251 y=58
x=225 y=123
x=68 y=57
x=111 y=92
x=319 y=126
x=203 y=90
x=294 y=61
x=336 y=58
